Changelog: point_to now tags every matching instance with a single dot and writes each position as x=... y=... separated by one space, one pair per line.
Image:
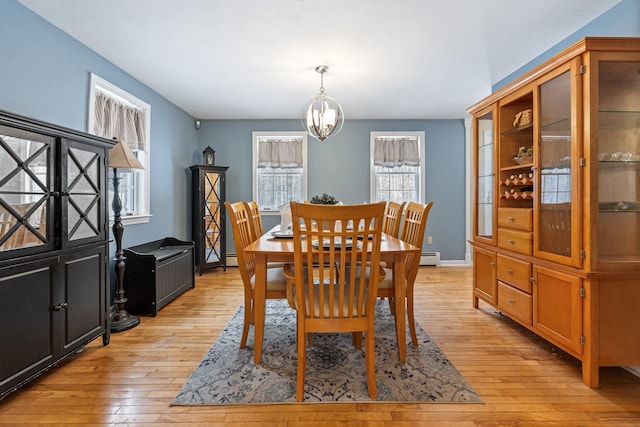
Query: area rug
x=335 y=368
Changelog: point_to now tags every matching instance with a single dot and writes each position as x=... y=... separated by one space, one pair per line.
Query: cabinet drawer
x=514 y=240
x=515 y=272
x=520 y=219
x=515 y=303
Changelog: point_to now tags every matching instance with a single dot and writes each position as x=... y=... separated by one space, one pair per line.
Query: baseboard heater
x=430 y=258
x=427 y=259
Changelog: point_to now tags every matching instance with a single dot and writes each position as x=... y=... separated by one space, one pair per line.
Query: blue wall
x=45 y=75
x=622 y=20
x=340 y=166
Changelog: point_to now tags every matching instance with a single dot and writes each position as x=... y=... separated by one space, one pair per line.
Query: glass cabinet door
x=618 y=125
x=212 y=217
x=485 y=175
x=557 y=196
x=82 y=191
x=26 y=189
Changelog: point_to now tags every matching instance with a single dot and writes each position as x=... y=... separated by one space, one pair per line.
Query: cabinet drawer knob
x=60 y=306
x=510 y=271
x=511 y=242
x=492 y=264
x=511 y=219
x=511 y=301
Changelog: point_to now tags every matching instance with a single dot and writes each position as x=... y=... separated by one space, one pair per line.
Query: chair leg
x=248 y=319
x=356 y=337
x=302 y=361
x=411 y=317
x=370 y=360
x=391 y=305
x=310 y=339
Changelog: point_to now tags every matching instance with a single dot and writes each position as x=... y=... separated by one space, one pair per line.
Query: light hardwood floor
x=523 y=380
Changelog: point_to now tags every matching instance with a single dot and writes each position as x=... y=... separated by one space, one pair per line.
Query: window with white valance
x=279 y=169
x=396 y=151
x=116 y=118
x=397 y=166
x=115 y=113
x=280 y=152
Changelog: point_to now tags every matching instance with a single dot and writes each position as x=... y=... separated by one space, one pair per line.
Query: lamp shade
x=322 y=116
x=121 y=157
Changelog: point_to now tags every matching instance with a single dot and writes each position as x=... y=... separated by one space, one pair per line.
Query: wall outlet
x=429 y=240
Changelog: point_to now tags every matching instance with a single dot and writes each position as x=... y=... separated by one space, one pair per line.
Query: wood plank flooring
x=523 y=380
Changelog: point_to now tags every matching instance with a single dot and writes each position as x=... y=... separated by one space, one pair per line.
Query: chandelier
x=322 y=116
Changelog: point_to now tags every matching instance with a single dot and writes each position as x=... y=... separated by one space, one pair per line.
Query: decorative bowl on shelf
x=523 y=159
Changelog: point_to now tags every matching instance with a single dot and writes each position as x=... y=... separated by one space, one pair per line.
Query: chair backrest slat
x=392 y=218
x=253 y=211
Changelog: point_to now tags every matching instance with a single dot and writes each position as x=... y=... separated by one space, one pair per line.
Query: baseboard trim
x=456 y=263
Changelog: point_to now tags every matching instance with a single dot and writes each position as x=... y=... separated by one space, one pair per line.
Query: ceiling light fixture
x=322 y=115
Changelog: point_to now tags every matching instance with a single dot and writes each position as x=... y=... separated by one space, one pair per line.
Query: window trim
x=254 y=171
x=145 y=197
x=421 y=147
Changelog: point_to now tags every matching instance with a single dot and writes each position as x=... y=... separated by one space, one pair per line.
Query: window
x=397 y=166
x=116 y=113
x=556 y=185
x=279 y=169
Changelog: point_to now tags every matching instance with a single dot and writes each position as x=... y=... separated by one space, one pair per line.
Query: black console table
x=156 y=273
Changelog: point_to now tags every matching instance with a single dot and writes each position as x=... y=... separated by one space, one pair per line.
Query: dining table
x=270 y=248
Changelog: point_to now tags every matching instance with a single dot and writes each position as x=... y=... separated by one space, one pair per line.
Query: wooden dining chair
x=392 y=218
x=255 y=219
x=391 y=225
x=253 y=210
x=414 y=225
x=276 y=281
x=328 y=296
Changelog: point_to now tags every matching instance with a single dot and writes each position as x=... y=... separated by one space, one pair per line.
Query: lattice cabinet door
x=83 y=194
x=26 y=191
x=208 y=220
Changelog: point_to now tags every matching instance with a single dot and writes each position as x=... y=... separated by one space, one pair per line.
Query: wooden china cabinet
x=208 y=216
x=556 y=218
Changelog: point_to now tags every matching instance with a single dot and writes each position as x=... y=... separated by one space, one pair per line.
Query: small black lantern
x=209 y=156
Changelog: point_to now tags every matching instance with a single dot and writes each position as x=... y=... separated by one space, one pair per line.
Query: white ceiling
x=387 y=59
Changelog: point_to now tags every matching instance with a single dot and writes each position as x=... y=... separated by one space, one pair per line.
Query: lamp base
x=121 y=320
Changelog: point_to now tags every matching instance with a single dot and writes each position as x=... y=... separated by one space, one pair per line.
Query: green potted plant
x=325 y=199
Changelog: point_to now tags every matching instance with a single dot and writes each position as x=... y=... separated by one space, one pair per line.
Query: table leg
x=259 y=298
x=399 y=296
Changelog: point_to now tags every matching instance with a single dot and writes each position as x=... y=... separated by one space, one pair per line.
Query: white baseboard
x=430 y=258
x=456 y=263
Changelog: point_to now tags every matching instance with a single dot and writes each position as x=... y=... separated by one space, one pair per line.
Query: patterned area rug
x=335 y=368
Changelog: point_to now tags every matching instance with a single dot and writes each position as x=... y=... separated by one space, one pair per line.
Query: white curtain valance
x=396 y=151
x=280 y=153
x=115 y=119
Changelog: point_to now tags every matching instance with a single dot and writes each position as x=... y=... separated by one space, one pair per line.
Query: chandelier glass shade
x=322 y=115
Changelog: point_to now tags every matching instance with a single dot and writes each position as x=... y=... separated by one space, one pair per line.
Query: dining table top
x=271 y=244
